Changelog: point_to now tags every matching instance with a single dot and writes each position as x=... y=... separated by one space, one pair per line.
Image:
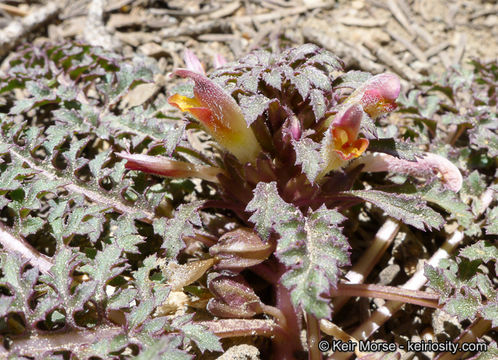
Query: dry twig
x=13 y=10
x=18 y=29
x=350 y=55
x=393 y=62
x=409 y=45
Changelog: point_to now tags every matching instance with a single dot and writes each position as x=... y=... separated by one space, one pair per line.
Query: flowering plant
x=123 y=239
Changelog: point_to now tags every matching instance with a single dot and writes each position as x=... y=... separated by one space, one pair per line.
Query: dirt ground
x=412 y=38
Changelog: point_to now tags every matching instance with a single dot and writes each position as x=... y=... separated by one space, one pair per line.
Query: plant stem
x=38 y=344
x=313 y=333
x=27 y=252
x=421 y=298
x=332 y=329
x=384 y=313
x=477 y=329
x=226 y=328
x=276 y=313
x=264 y=271
x=285 y=350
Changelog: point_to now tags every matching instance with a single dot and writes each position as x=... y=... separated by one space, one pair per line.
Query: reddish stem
x=285 y=350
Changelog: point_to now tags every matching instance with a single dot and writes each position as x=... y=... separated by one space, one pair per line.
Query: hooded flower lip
x=377 y=96
x=162 y=166
x=341 y=142
x=219 y=114
x=380 y=94
x=345 y=130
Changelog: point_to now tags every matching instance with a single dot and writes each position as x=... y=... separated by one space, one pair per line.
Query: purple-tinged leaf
x=199 y=334
x=410 y=209
x=273 y=78
x=308 y=156
x=314 y=249
x=318 y=103
x=269 y=209
x=253 y=107
x=489 y=312
x=438 y=281
x=399 y=149
x=464 y=305
x=351 y=79
x=481 y=250
x=182 y=224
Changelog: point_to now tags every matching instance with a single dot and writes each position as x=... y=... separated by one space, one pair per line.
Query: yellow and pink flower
x=341 y=142
x=219 y=114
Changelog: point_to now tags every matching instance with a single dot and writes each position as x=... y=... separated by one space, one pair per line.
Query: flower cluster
x=293 y=112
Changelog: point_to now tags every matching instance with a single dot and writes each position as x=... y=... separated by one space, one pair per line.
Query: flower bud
x=192 y=62
x=240 y=249
x=233 y=297
x=159 y=165
x=377 y=96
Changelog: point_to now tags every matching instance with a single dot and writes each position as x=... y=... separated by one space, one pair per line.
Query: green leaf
x=318 y=103
x=438 y=281
x=317 y=78
x=140 y=313
x=253 y=106
x=273 y=78
x=489 y=312
x=105 y=267
x=166 y=348
x=122 y=299
x=464 y=306
x=31 y=225
x=409 y=209
x=481 y=250
x=10 y=178
x=490 y=354
x=399 y=149
x=81 y=220
x=126 y=234
x=308 y=156
x=204 y=339
x=315 y=250
x=182 y=224
x=302 y=84
x=449 y=201
x=492 y=222
x=269 y=209
x=352 y=79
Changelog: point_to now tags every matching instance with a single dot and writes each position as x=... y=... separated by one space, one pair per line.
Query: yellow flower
x=341 y=142
x=220 y=115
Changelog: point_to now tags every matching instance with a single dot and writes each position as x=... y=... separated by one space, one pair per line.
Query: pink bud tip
x=192 y=62
x=349 y=120
x=159 y=165
x=219 y=61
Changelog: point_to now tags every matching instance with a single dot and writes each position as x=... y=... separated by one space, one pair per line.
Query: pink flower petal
x=159 y=165
x=427 y=166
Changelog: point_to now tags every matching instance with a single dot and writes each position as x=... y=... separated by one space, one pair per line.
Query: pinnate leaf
x=410 y=209
x=402 y=150
x=308 y=156
x=315 y=250
x=182 y=224
x=269 y=209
